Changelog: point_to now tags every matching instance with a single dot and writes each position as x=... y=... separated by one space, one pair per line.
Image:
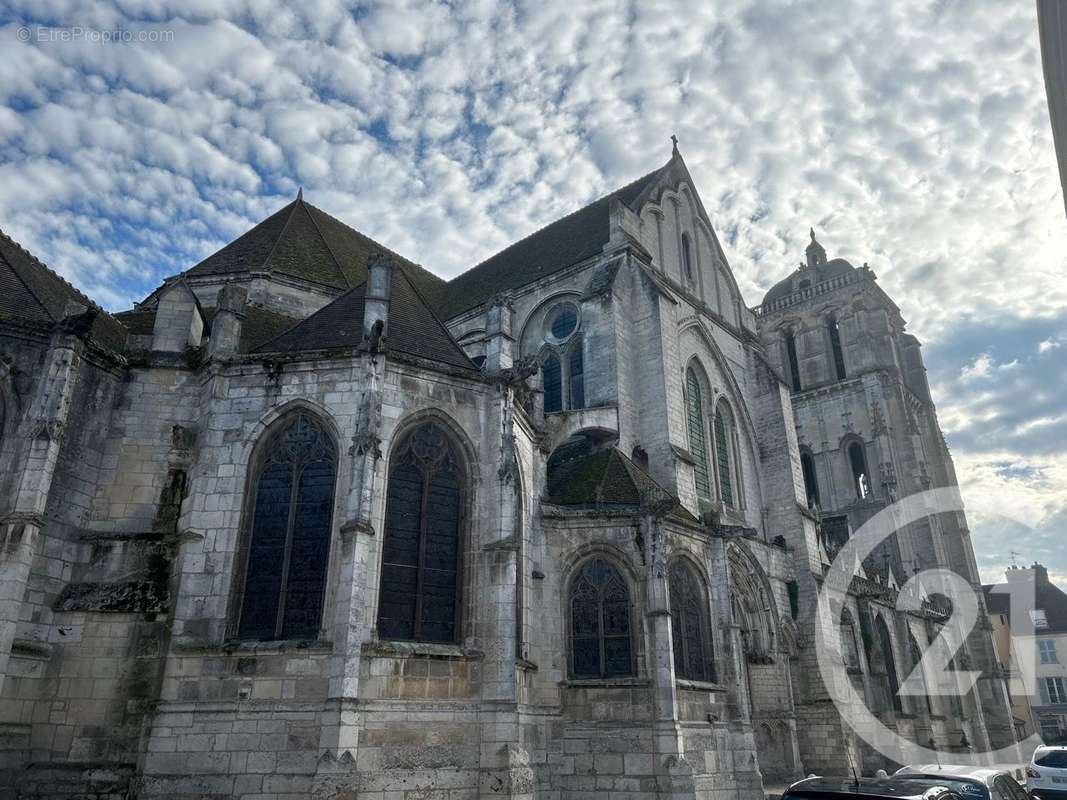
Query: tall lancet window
x=791 y=357
x=420 y=589
x=811 y=478
x=857 y=460
x=576 y=377
x=723 y=446
x=687 y=259
x=835 y=347
x=553 y=383
x=689 y=624
x=698 y=440
x=889 y=664
x=289 y=540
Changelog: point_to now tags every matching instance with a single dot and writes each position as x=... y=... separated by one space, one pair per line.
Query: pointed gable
x=561 y=244
x=413 y=327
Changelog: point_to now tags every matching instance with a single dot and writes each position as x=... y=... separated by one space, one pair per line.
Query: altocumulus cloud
x=913 y=135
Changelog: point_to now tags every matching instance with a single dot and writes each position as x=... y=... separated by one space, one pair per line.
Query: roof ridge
x=558 y=220
x=375 y=242
x=437 y=319
x=318 y=230
x=80 y=294
x=281 y=233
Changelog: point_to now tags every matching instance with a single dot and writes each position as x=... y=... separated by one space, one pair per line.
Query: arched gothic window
x=687 y=258
x=289 y=533
x=811 y=480
x=916 y=662
x=698 y=442
x=553 y=383
x=892 y=684
x=857 y=460
x=601 y=640
x=576 y=377
x=420 y=584
x=689 y=625
x=562 y=360
x=723 y=459
x=791 y=357
x=835 y=347
x=849 y=650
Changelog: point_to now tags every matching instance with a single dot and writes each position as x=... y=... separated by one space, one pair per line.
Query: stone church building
x=310 y=521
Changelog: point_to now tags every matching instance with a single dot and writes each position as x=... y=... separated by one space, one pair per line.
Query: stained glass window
x=577 y=376
x=553 y=383
x=419 y=598
x=600 y=622
x=564 y=323
x=285 y=572
x=722 y=455
x=692 y=645
x=698 y=443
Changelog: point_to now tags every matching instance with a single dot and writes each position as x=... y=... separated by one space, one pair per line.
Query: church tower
x=868 y=436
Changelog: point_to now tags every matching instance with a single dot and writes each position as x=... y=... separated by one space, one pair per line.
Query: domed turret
x=816 y=270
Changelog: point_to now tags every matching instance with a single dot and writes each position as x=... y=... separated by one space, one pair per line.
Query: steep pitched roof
x=31 y=292
x=302 y=241
x=605 y=479
x=561 y=244
x=1048 y=597
x=413 y=327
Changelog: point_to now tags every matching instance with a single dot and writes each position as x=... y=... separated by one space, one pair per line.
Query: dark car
x=869 y=789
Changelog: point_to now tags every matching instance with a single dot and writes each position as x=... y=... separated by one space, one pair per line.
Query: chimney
x=179 y=323
x=376 y=300
x=498 y=347
x=229 y=316
x=1036 y=572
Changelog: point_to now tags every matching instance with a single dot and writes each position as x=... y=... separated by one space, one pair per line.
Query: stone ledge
x=238 y=648
x=703 y=686
x=607 y=683
x=386 y=649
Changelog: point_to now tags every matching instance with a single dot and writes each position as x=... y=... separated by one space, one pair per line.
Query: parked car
x=971 y=783
x=1046 y=777
x=868 y=789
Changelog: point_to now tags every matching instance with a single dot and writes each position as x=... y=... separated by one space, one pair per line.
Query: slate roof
x=1047 y=596
x=604 y=479
x=302 y=241
x=31 y=292
x=413 y=327
x=561 y=244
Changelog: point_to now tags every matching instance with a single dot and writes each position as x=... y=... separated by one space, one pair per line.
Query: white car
x=1046 y=777
x=970 y=783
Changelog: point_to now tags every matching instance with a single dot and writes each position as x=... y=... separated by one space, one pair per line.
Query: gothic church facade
x=309 y=521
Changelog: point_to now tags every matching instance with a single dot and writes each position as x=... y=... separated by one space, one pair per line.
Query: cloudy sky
x=912 y=135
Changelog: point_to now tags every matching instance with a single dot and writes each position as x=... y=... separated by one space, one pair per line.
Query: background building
x=1046 y=711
